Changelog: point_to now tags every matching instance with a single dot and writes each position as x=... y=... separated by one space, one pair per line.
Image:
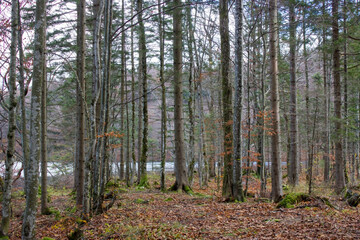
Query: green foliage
x=141 y=201
x=56 y=213
x=112 y=183
x=292 y=198
x=47 y=238
x=169 y=199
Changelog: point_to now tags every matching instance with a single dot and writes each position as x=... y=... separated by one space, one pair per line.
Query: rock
x=354 y=200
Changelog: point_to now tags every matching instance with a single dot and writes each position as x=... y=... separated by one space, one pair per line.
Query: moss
x=112 y=183
x=122 y=190
x=327 y=202
x=144 y=182
x=187 y=189
x=169 y=199
x=47 y=238
x=141 y=201
x=292 y=198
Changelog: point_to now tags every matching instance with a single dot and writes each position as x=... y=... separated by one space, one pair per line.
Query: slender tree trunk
x=339 y=163
x=163 y=100
x=43 y=142
x=226 y=99
x=181 y=182
x=143 y=69
x=23 y=92
x=191 y=94
x=276 y=174
x=28 y=226
x=80 y=88
x=105 y=103
x=237 y=117
x=90 y=161
x=132 y=100
x=294 y=171
x=6 y=197
x=122 y=93
x=306 y=90
x=326 y=106
x=345 y=79
x=263 y=114
x=98 y=91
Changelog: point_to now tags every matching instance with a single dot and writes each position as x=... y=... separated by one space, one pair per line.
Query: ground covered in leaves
x=151 y=214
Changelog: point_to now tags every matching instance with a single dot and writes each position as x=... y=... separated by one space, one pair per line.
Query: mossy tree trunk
x=181 y=182
x=226 y=99
x=238 y=193
x=276 y=174
x=143 y=181
x=6 y=197
x=339 y=162
x=28 y=226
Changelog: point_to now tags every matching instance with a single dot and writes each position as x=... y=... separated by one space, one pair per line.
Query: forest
x=179 y=119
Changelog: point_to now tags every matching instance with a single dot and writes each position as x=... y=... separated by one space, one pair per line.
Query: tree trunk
x=6 y=197
x=226 y=99
x=326 y=107
x=132 y=100
x=143 y=68
x=43 y=147
x=122 y=93
x=23 y=92
x=163 y=100
x=276 y=174
x=339 y=163
x=293 y=160
x=80 y=88
x=191 y=95
x=181 y=182
x=28 y=226
x=237 y=117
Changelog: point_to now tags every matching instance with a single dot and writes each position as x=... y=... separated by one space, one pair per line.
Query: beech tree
x=6 y=198
x=32 y=166
x=181 y=182
x=276 y=174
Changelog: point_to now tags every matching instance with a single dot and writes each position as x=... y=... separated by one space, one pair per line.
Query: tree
x=237 y=118
x=143 y=181
x=276 y=175
x=163 y=100
x=6 y=201
x=226 y=98
x=181 y=182
x=339 y=163
x=80 y=115
x=43 y=143
x=293 y=161
x=28 y=227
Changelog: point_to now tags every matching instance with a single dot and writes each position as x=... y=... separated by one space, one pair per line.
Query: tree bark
x=339 y=163
x=28 y=226
x=326 y=106
x=237 y=117
x=181 y=182
x=43 y=142
x=294 y=160
x=143 y=68
x=80 y=88
x=163 y=100
x=276 y=174
x=226 y=99
x=6 y=197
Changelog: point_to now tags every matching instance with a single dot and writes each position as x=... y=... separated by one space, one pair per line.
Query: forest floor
x=151 y=214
